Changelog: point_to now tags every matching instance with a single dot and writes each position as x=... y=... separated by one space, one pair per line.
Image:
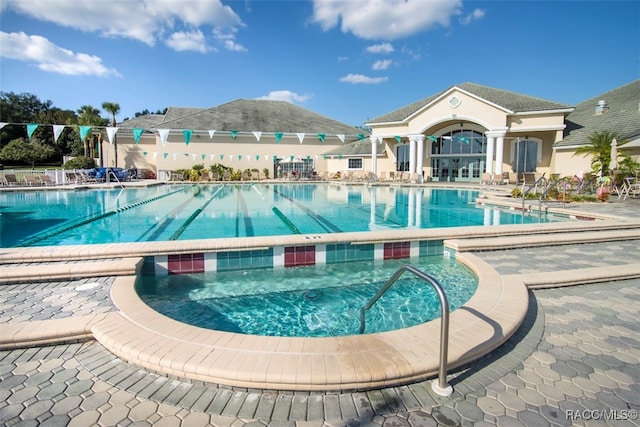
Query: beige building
x=465 y=133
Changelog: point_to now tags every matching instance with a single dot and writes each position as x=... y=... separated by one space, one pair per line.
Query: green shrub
x=80 y=162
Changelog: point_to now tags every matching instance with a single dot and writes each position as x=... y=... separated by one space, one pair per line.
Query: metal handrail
x=534 y=185
x=441 y=388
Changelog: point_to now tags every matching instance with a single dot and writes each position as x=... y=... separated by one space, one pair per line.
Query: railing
x=440 y=387
x=538 y=181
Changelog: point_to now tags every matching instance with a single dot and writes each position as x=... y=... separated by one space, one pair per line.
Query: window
x=526 y=156
x=355 y=164
x=402 y=154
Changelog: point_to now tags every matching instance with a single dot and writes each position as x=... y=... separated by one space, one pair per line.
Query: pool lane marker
x=193 y=216
x=70 y=227
x=290 y=225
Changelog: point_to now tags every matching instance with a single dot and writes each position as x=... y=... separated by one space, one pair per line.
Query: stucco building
x=460 y=134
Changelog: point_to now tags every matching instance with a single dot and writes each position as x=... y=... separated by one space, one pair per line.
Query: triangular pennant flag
x=111 y=133
x=339 y=156
x=155 y=154
x=278 y=136
x=57 y=130
x=2 y=124
x=379 y=140
x=187 y=135
x=433 y=138
x=202 y=156
x=175 y=155
x=212 y=157
x=234 y=133
x=321 y=137
x=398 y=138
x=361 y=136
x=308 y=157
x=31 y=127
x=463 y=139
x=239 y=156
x=84 y=130
x=221 y=156
x=257 y=156
x=193 y=157
x=291 y=158
x=230 y=156
x=164 y=134
x=257 y=134
x=137 y=133
x=165 y=155
x=248 y=158
x=211 y=132
x=144 y=153
x=341 y=137
x=324 y=156
x=300 y=137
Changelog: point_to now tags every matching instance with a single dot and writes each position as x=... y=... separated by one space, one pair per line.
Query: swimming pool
x=207 y=211
x=309 y=301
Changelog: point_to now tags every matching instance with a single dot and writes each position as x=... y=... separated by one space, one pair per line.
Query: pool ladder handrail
x=440 y=387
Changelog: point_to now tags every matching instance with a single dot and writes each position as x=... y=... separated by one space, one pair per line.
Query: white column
x=489 y=160
x=420 y=155
x=412 y=154
x=374 y=155
x=499 y=154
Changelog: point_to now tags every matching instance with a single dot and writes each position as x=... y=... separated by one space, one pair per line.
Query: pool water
x=312 y=301
x=201 y=211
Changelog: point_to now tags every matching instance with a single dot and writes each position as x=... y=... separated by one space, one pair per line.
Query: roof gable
x=510 y=101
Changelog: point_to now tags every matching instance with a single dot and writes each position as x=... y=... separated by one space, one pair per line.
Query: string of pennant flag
x=164 y=133
x=188 y=133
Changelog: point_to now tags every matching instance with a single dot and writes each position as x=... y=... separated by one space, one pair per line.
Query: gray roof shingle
x=622 y=116
x=511 y=101
x=247 y=115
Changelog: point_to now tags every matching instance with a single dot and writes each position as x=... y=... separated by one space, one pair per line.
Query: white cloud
x=473 y=16
x=143 y=20
x=382 y=64
x=384 y=19
x=380 y=48
x=50 y=57
x=228 y=39
x=187 y=41
x=286 y=95
x=362 y=79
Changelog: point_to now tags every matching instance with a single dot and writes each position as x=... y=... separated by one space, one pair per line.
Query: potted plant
x=604 y=190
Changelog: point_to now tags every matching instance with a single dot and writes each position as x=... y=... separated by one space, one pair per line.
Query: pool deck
x=576 y=355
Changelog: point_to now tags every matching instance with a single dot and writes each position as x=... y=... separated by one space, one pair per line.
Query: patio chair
x=255 y=176
x=10 y=180
x=205 y=176
x=215 y=176
x=32 y=180
x=46 y=180
x=226 y=176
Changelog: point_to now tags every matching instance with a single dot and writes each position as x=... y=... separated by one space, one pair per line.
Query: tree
x=90 y=116
x=114 y=109
x=599 y=148
x=22 y=150
x=67 y=141
x=18 y=108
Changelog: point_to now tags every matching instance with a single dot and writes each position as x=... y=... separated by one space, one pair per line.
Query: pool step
x=55 y=271
x=555 y=239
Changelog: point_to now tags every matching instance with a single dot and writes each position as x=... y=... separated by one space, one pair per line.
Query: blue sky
x=351 y=60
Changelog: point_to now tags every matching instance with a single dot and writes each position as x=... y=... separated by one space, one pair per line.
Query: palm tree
x=599 y=148
x=89 y=116
x=114 y=109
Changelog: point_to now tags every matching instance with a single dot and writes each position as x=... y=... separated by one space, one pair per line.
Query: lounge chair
x=10 y=180
x=46 y=180
x=205 y=176
x=32 y=180
x=226 y=176
x=215 y=176
x=255 y=176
